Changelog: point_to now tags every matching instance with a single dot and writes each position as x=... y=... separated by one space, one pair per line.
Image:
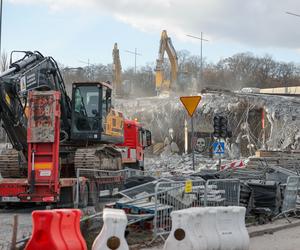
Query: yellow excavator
x=117 y=70
x=163 y=84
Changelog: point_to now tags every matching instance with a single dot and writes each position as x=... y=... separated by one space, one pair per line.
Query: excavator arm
x=117 y=70
x=32 y=72
x=166 y=46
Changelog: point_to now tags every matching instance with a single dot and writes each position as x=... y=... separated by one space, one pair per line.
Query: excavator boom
x=117 y=70
x=166 y=46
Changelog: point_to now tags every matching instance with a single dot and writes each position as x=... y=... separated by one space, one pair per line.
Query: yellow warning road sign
x=190 y=103
x=188 y=186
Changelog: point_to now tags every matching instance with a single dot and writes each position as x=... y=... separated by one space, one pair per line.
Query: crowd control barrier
x=209 y=228
x=112 y=235
x=56 y=230
x=178 y=195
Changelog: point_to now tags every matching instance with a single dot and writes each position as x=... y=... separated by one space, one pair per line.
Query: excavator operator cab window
x=91 y=103
x=86 y=108
x=106 y=101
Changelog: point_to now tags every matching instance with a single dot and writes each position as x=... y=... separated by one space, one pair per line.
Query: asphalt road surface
x=287 y=239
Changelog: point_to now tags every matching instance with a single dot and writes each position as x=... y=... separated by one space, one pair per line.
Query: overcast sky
x=80 y=30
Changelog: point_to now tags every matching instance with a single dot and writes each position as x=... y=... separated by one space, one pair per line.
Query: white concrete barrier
x=183 y=235
x=206 y=219
x=112 y=235
x=231 y=228
x=209 y=228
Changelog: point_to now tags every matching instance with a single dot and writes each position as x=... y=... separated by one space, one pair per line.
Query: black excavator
x=89 y=128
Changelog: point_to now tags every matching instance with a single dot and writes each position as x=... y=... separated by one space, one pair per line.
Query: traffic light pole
x=193 y=144
x=220 y=159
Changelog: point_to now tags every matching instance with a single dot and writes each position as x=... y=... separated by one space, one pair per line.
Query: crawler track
x=105 y=157
x=10 y=164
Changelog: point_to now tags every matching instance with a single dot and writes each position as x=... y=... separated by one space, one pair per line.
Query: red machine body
x=43 y=145
x=43 y=183
x=134 y=144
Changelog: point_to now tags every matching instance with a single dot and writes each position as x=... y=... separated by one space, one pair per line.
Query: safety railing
x=291 y=193
x=222 y=192
x=105 y=183
x=173 y=196
x=135 y=172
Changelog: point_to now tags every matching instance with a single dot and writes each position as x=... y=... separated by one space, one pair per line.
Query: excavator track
x=99 y=158
x=9 y=164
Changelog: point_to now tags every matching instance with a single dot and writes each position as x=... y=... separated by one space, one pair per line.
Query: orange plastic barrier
x=56 y=230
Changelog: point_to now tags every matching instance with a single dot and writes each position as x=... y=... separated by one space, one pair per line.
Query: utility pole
x=135 y=54
x=89 y=68
x=201 y=58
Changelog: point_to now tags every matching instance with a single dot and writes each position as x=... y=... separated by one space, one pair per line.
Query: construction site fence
x=290 y=194
x=173 y=196
x=105 y=183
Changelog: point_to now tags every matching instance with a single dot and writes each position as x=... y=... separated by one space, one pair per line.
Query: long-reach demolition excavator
x=117 y=71
x=162 y=84
x=54 y=137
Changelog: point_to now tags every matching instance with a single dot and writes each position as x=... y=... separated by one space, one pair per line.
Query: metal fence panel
x=290 y=193
x=222 y=192
x=146 y=189
x=135 y=172
x=172 y=196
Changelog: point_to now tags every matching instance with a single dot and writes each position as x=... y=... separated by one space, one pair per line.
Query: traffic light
x=221 y=127
x=216 y=126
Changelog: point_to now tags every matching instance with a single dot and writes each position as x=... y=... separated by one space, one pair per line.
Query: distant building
x=282 y=90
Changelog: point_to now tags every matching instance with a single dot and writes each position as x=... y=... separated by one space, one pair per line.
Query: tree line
x=233 y=73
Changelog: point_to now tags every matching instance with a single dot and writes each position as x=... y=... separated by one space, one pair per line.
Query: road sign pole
x=193 y=144
x=220 y=161
x=190 y=103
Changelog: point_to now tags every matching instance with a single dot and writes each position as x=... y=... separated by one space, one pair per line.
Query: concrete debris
x=174 y=147
x=175 y=164
x=243 y=110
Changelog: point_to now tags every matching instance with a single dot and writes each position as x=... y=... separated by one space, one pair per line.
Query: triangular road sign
x=190 y=103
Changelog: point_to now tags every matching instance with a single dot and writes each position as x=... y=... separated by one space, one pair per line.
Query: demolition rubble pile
x=282 y=118
x=176 y=164
x=247 y=114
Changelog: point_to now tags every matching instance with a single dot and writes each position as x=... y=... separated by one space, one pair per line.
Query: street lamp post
x=201 y=60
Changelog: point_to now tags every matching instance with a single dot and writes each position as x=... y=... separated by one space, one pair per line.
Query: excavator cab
x=92 y=115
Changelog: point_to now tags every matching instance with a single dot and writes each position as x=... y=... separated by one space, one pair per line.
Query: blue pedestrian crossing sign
x=218 y=147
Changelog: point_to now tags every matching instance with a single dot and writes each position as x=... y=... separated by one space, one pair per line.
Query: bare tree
x=4 y=61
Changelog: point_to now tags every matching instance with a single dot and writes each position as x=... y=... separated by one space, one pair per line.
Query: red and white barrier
x=56 y=230
x=234 y=165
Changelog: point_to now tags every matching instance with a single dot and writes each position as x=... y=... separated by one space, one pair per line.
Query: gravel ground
x=6 y=226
